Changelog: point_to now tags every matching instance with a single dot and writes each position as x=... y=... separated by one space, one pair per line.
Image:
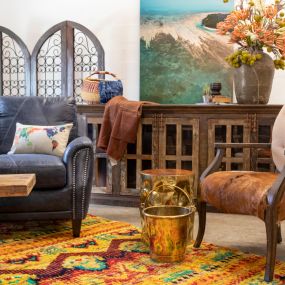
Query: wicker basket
x=92 y=87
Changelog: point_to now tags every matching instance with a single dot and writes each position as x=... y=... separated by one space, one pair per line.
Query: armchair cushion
x=240 y=192
x=49 y=169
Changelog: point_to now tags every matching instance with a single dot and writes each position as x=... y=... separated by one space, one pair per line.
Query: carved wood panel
x=230 y=131
x=150 y=151
x=103 y=174
x=179 y=144
x=262 y=158
x=154 y=149
x=139 y=156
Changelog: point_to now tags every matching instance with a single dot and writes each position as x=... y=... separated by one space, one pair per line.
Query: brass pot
x=170 y=187
x=167 y=228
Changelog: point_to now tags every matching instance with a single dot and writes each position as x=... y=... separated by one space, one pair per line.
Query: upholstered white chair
x=249 y=192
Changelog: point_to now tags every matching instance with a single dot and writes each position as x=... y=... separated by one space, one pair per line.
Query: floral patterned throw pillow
x=41 y=139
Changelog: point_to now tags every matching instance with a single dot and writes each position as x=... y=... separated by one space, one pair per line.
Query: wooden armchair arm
x=214 y=165
x=242 y=145
x=277 y=190
x=216 y=162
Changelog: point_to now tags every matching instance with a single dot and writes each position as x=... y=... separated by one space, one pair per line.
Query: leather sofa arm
x=79 y=160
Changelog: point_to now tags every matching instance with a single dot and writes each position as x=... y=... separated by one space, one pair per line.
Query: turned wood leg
x=271 y=234
x=76 y=227
x=202 y=223
x=279 y=235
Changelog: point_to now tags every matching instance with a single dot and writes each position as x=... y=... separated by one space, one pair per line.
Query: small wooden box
x=221 y=99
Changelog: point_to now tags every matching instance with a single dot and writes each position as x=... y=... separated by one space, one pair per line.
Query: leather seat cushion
x=240 y=192
x=50 y=170
x=37 y=202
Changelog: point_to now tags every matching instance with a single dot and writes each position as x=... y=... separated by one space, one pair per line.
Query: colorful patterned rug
x=110 y=252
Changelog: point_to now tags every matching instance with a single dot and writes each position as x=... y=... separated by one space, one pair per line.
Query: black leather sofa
x=63 y=185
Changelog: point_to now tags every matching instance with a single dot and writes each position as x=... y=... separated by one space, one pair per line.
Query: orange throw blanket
x=119 y=127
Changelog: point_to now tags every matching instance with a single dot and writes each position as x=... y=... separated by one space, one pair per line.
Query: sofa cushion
x=34 y=111
x=50 y=170
x=51 y=202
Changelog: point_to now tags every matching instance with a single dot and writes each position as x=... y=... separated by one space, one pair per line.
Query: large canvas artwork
x=180 y=51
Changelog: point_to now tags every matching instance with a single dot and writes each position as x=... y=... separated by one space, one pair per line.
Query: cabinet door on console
x=230 y=131
x=261 y=133
x=179 y=144
x=102 y=178
x=139 y=156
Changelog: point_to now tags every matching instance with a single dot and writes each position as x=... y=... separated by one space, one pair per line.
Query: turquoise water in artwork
x=169 y=7
x=202 y=27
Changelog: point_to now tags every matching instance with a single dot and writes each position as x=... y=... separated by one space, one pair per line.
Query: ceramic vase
x=253 y=84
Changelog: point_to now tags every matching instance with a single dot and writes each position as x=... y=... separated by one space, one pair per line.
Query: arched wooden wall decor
x=88 y=56
x=62 y=57
x=14 y=65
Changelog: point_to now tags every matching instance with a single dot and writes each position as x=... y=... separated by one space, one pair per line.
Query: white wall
x=278 y=89
x=114 y=22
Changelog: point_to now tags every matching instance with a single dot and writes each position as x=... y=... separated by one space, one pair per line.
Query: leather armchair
x=63 y=185
x=260 y=194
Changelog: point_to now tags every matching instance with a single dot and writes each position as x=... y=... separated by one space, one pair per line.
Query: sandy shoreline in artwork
x=187 y=29
x=201 y=42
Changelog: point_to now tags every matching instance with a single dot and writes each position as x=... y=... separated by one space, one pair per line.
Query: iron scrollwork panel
x=49 y=67
x=13 y=68
x=63 y=56
x=85 y=60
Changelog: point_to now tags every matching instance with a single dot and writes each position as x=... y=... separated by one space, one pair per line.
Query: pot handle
x=146 y=202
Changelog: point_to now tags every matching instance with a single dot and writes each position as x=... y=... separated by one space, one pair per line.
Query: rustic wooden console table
x=179 y=136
